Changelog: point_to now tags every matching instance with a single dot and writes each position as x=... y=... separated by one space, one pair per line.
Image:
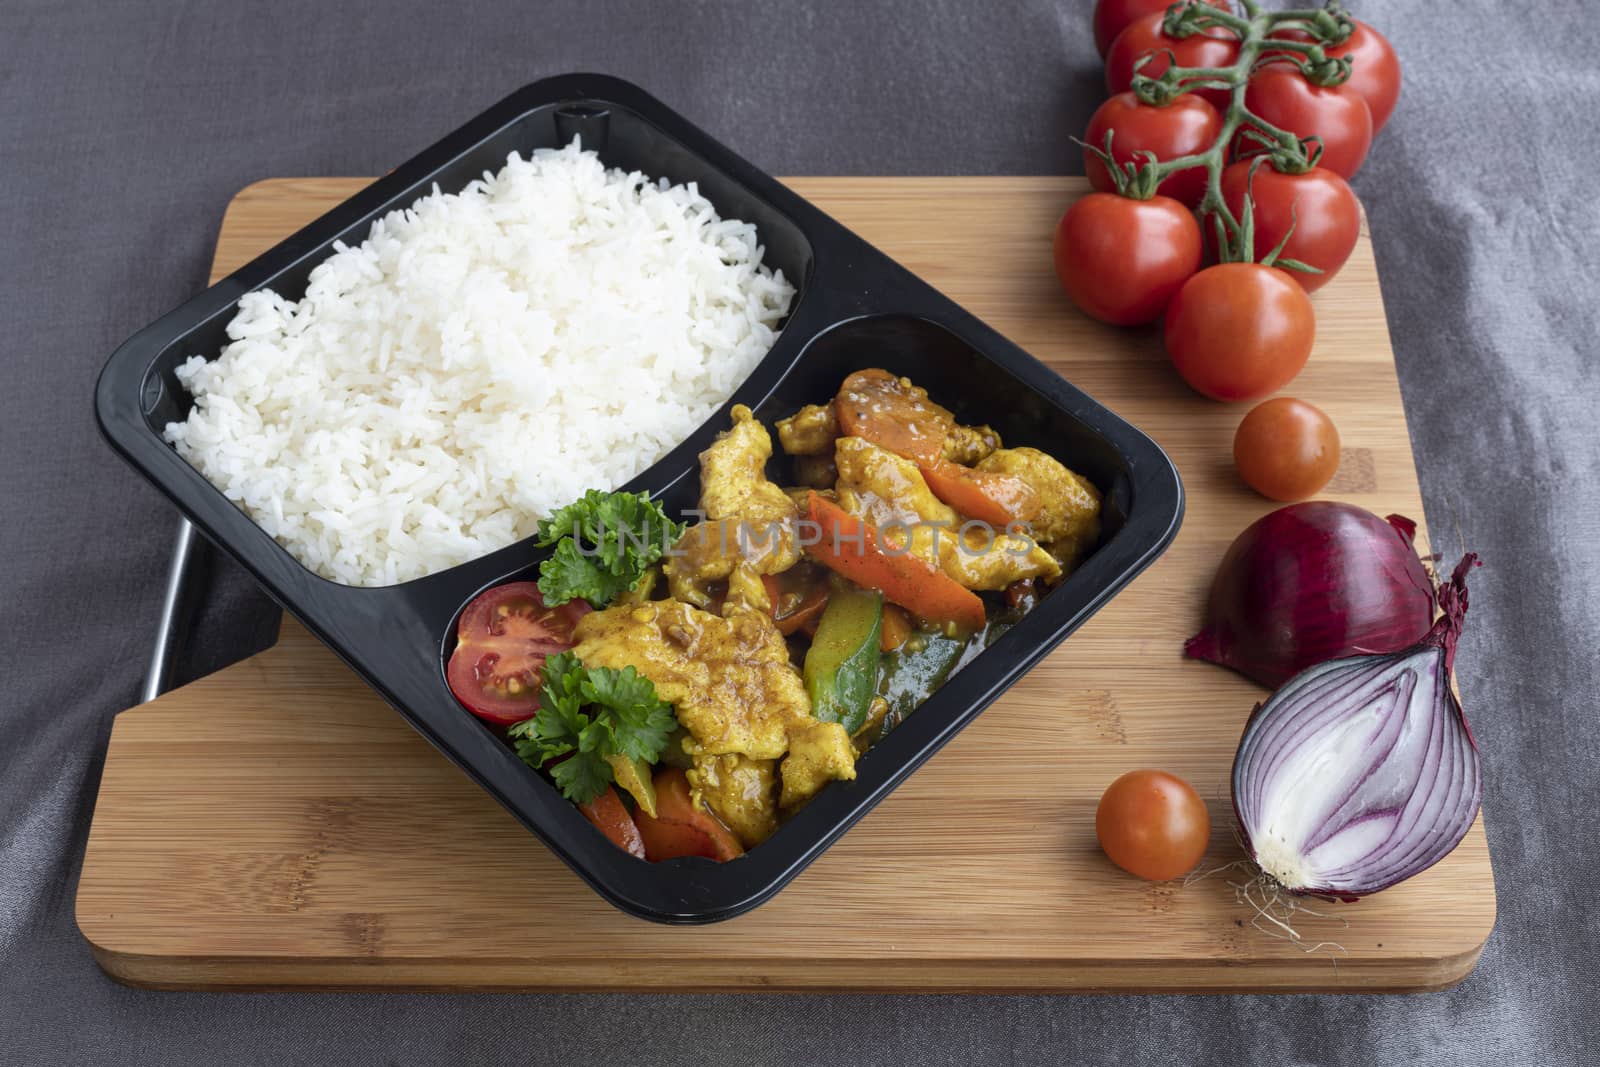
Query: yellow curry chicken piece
x=731 y=682
x=969 y=444
x=734 y=688
x=889 y=492
x=748 y=518
x=810 y=433
x=733 y=475
x=740 y=790
x=1068 y=523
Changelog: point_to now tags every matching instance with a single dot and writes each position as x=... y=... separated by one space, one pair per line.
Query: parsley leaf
x=587 y=714
x=604 y=544
x=581 y=778
x=568 y=574
x=642 y=720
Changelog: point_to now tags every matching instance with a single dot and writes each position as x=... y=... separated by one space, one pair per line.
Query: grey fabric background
x=125 y=129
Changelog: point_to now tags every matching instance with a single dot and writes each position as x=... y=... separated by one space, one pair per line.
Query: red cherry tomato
x=1374 y=68
x=1111 y=17
x=1286 y=449
x=1238 y=331
x=1216 y=47
x=1319 y=206
x=1282 y=96
x=1181 y=128
x=502 y=641
x=1153 y=825
x=1121 y=260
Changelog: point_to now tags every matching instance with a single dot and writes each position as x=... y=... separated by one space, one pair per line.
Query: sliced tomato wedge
x=502 y=641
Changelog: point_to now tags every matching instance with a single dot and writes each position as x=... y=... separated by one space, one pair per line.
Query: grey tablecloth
x=124 y=130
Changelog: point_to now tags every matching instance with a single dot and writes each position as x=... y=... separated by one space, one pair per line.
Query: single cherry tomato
x=1111 y=17
x=502 y=641
x=1153 y=825
x=1215 y=47
x=1182 y=128
x=1374 y=71
x=610 y=817
x=1374 y=68
x=1279 y=94
x=1121 y=260
x=1286 y=449
x=1324 y=215
x=681 y=829
x=1238 y=331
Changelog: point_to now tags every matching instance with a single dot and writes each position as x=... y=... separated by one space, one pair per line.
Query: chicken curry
x=692 y=688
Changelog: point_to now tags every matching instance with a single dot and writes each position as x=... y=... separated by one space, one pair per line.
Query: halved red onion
x=1312 y=581
x=1361 y=772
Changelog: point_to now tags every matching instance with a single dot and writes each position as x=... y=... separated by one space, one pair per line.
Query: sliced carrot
x=877 y=406
x=680 y=828
x=896 y=629
x=851 y=548
x=988 y=496
x=609 y=815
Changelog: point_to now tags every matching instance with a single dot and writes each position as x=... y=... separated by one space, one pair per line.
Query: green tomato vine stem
x=1328 y=25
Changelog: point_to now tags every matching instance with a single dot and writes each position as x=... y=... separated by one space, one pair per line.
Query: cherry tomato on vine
x=1238 y=331
x=1153 y=825
x=1374 y=68
x=1181 y=128
x=1216 y=47
x=1286 y=449
x=1281 y=95
x=1111 y=17
x=1324 y=214
x=1121 y=260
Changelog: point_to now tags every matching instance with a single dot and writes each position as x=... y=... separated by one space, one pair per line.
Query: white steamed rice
x=481 y=359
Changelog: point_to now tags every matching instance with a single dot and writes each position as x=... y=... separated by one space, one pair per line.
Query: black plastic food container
x=855 y=307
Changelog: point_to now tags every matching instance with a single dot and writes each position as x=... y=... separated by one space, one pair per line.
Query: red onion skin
x=1312 y=582
x=1446 y=630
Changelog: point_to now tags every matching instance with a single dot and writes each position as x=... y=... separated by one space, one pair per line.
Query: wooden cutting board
x=276 y=825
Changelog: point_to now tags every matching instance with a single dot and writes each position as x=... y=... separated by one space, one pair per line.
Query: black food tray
x=855 y=307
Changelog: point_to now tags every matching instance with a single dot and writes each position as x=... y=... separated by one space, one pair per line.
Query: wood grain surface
x=276 y=825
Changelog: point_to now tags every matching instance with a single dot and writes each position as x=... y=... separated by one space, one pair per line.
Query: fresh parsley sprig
x=587 y=714
x=604 y=544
